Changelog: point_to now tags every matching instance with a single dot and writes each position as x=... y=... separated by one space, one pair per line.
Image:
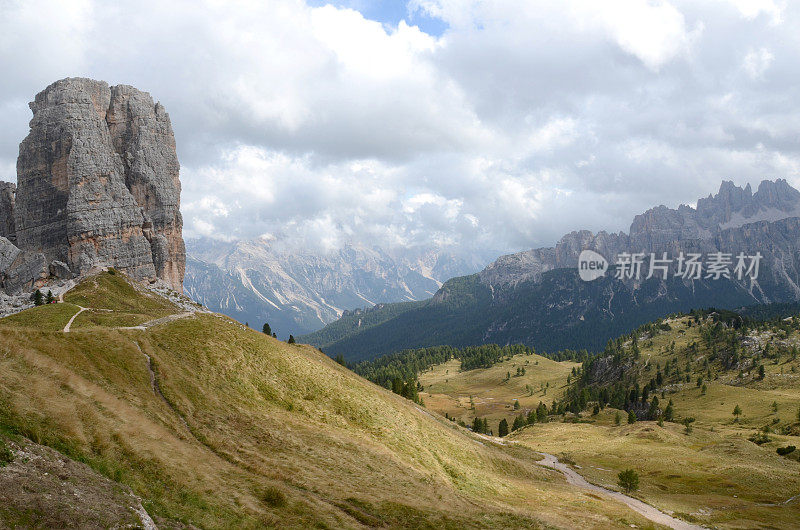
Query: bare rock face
x=8 y=228
x=733 y=220
x=98 y=184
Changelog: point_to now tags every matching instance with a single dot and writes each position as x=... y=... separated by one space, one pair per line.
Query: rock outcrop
x=8 y=228
x=97 y=185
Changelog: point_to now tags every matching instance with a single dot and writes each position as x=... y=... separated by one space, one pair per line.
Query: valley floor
x=712 y=474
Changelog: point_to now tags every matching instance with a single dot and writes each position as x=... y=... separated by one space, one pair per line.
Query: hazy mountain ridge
x=536 y=298
x=298 y=292
x=659 y=229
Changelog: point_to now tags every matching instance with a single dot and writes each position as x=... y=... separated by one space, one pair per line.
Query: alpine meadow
x=410 y=264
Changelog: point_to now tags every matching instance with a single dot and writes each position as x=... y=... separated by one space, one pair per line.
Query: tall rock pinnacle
x=97 y=182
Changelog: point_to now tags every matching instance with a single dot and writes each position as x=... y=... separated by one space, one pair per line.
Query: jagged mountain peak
x=657 y=228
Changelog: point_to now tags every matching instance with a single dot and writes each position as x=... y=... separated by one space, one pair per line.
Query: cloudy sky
x=493 y=124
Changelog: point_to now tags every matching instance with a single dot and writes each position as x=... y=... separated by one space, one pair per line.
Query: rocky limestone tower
x=97 y=182
x=8 y=227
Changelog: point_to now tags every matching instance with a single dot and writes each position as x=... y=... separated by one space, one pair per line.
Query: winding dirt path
x=575 y=479
x=140 y=327
x=636 y=505
x=162 y=320
x=71 y=320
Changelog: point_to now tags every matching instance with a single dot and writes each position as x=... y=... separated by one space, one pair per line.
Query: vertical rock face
x=8 y=228
x=98 y=182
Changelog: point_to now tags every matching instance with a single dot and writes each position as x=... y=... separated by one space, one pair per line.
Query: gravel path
x=156 y=322
x=644 y=509
x=71 y=320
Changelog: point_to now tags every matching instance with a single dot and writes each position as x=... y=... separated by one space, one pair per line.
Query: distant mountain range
x=299 y=292
x=537 y=298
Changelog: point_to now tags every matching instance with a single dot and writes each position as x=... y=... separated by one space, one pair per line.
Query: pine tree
x=516 y=404
x=653 y=413
x=617 y=418
x=519 y=422
x=266 y=329
x=761 y=371
x=737 y=411
x=38 y=298
x=631 y=417
x=50 y=296
x=541 y=413
x=687 y=423
x=628 y=480
x=291 y=339
x=502 y=429
x=669 y=412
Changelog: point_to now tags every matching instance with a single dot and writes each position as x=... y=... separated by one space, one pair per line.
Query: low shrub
x=272 y=496
x=6 y=456
x=759 y=438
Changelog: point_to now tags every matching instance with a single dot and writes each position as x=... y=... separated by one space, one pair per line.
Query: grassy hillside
x=722 y=471
x=489 y=392
x=714 y=475
x=235 y=429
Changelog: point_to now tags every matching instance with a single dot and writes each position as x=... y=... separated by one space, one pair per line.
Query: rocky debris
x=42 y=488
x=28 y=270
x=8 y=253
x=59 y=269
x=14 y=303
x=165 y=290
x=97 y=185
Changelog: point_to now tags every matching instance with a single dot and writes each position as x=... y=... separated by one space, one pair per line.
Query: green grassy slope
x=713 y=473
x=486 y=393
x=241 y=430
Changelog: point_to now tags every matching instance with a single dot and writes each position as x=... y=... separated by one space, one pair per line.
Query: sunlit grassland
x=252 y=432
x=448 y=390
x=714 y=477
x=713 y=474
x=49 y=317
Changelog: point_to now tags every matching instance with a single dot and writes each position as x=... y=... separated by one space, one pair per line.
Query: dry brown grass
x=274 y=434
x=486 y=393
x=716 y=478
